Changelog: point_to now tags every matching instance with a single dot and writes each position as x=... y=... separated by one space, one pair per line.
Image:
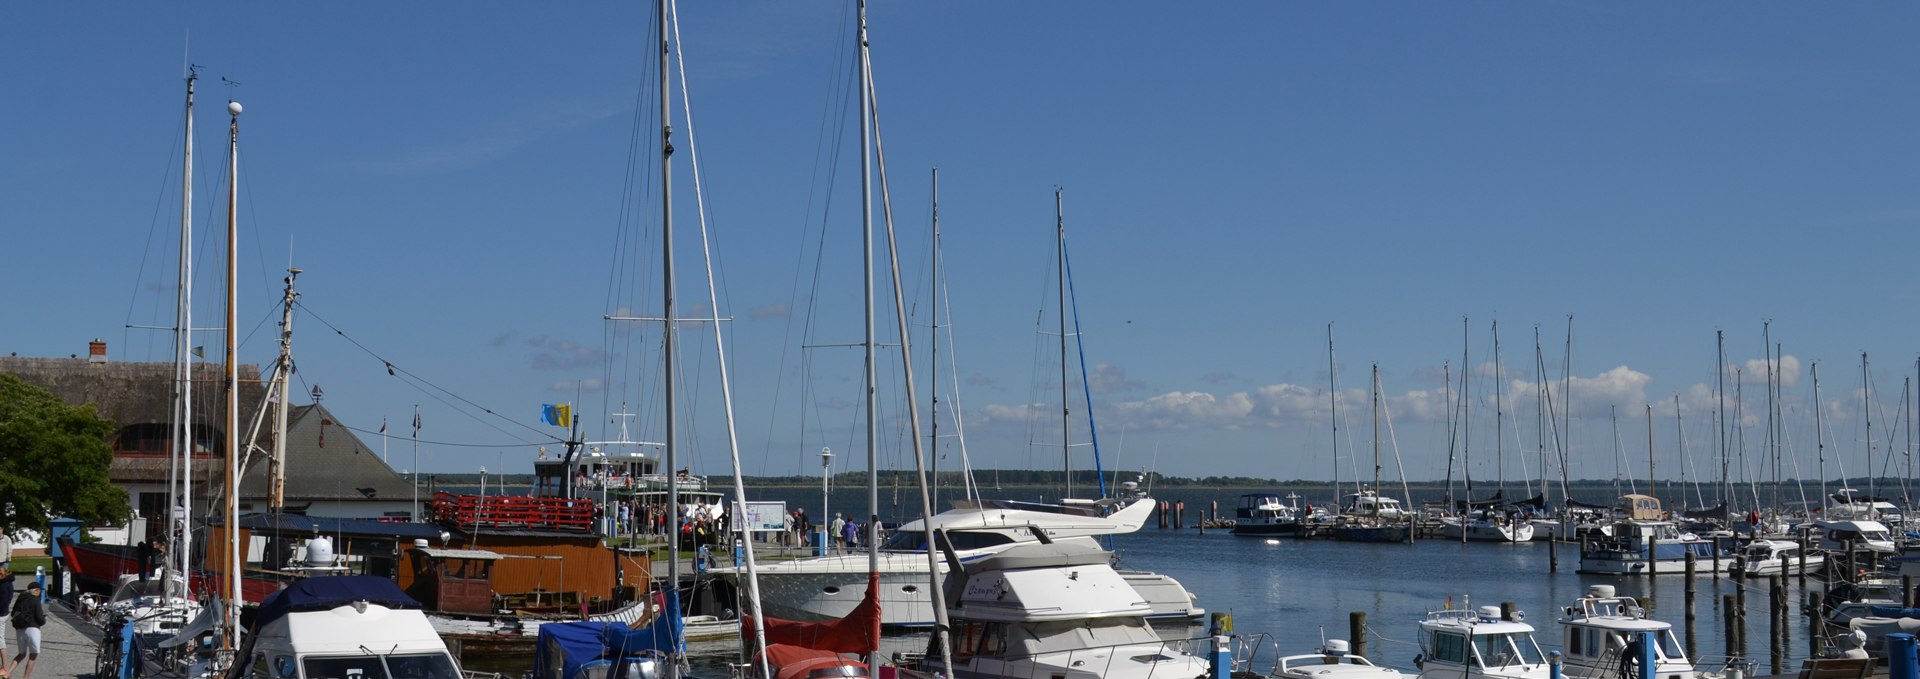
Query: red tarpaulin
x=859 y=632
x=794 y=662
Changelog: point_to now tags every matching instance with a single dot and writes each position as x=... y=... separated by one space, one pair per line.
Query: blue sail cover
x=572 y=646
x=327 y=593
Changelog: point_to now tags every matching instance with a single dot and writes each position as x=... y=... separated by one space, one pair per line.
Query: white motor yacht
x=1334 y=661
x=1598 y=627
x=1856 y=534
x=1487 y=525
x=1774 y=557
x=1058 y=610
x=1462 y=643
x=828 y=587
x=344 y=626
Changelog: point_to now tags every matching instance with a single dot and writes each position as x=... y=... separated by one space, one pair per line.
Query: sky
x=471 y=189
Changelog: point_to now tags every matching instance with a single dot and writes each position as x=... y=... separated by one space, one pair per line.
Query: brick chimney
x=97 y=351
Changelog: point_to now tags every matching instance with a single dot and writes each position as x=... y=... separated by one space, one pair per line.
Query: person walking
x=6 y=608
x=839 y=527
x=29 y=615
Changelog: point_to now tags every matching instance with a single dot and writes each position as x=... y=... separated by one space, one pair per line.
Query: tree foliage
x=54 y=460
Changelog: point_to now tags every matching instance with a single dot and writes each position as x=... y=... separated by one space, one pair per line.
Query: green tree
x=53 y=460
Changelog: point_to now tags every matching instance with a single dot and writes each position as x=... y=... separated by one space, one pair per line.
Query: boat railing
x=1453 y=614
x=510 y=511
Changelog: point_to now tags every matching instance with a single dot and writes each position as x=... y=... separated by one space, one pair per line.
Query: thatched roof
x=137 y=393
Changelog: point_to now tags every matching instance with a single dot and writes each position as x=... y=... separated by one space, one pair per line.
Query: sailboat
x=1368 y=516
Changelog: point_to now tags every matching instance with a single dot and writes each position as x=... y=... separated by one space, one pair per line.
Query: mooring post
x=1902 y=661
x=1776 y=622
x=1357 y=632
x=1553 y=549
x=1553 y=664
x=1730 y=623
x=1816 y=627
x=1687 y=603
x=1906 y=591
x=1649 y=644
x=1179 y=515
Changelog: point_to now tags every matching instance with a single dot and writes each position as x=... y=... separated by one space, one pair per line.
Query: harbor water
x=1301 y=592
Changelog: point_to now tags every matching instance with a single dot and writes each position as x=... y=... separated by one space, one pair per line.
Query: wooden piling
x=1730 y=623
x=1740 y=618
x=1816 y=625
x=1687 y=603
x=1553 y=549
x=1906 y=591
x=1179 y=512
x=1776 y=622
x=1163 y=514
x=1357 y=632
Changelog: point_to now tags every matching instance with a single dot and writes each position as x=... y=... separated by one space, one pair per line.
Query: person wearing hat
x=28 y=617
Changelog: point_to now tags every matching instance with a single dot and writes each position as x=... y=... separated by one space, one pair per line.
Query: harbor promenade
x=68 y=645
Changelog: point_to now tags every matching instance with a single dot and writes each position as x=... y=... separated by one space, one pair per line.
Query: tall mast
x=282 y=374
x=230 y=640
x=1466 y=414
x=670 y=331
x=183 y=366
x=1720 y=407
x=1866 y=410
x=1333 y=409
x=1651 y=484
x=1453 y=426
x=1066 y=410
x=1566 y=415
x=1819 y=431
x=1376 y=439
x=866 y=253
x=933 y=355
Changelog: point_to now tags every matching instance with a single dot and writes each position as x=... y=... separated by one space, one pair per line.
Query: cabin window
x=993 y=640
x=1449 y=647
x=1502 y=650
x=1575 y=636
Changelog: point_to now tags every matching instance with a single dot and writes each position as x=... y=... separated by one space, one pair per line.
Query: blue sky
x=455 y=181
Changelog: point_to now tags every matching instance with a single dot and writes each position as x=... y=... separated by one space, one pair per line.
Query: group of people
x=24 y=614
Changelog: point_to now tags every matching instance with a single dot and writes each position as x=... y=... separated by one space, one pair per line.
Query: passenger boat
x=1264 y=515
x=1645 y=543
x=1774 y=557
x=1597 y=628
x=1458 y=643
x=1334 y=661
x=1057 y=610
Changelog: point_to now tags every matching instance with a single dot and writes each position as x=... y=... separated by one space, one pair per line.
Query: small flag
x=557 y=415
x=383 y=426
x=416 y=423
x=199 y=352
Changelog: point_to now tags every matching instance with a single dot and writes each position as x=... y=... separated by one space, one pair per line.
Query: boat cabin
x=1840 y=536
x=1597 y=628
x=453 y=580
x=1641 y=508
x=1263 y=508
x=1459 y=643
x=1370 y=503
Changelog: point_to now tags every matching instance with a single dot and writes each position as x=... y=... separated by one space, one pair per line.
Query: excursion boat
x=828 y=587
x=1599 y=625
x=1057 y=610
x=1645 y=543
x=1334 y=661
x=1488 y=525
x=1774 y=557
x=1264 y=515
x=1458 y=643
x=343 y=626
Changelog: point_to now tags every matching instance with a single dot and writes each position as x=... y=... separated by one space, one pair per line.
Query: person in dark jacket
x=29 y=615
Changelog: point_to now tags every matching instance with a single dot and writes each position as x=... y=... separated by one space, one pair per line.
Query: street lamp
x=826 y=469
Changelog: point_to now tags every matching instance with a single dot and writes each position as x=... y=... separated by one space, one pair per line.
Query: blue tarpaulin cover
x=326 y=593
x=569 y=646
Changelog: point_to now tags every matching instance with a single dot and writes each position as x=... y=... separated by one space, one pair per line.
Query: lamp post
x=826 y=472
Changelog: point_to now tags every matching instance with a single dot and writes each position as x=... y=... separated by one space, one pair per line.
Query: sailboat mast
x=1866 y=410
x=1333 y=410
x=1466 y=413
x=1566 y=416
x=1819 y=431
x=1652 y=486
x=1066 y=410
x=1720 y=408
x=183 y=365
x=933 y=355
x=1376 y=438
x=282 y=374
x=866 y=256
x=230 y=640
x=669 y=345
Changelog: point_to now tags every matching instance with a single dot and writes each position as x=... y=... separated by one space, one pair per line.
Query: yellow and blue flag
x=557 y=415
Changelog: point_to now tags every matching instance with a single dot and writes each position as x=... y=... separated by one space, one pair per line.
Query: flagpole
x=416 y=463
x=383 y=441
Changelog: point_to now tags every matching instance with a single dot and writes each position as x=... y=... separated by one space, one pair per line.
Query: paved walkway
x=67 y=645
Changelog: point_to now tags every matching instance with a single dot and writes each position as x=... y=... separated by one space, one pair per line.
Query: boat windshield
x=916 y=541
x=396 y=666
x=1504 y=650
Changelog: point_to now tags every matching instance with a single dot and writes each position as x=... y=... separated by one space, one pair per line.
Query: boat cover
x=859 y=632
x=326 y=593
x=569 y=646
x=1715 y=512
x=795 y=662
x=1894 y=612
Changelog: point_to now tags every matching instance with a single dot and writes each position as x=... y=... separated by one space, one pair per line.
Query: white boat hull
x=817 y=595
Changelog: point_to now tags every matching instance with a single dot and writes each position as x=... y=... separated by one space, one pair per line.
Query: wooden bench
x=1836 y=668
